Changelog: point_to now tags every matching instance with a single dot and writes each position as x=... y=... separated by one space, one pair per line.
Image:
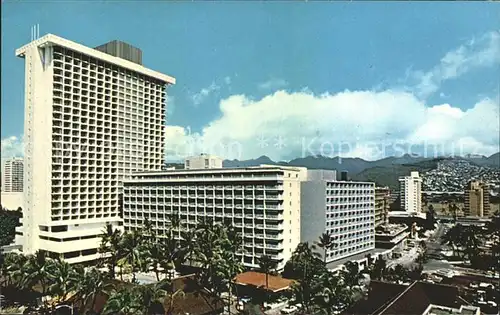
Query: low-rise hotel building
x=263 y=203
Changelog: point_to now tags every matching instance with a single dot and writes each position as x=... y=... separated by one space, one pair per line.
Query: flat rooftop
x=53 y=40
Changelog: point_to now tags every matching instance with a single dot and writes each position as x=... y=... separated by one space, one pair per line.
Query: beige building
x=203 y=161
x=92 y=117
x=477 y=199
x=382 y=203
x=12 y=175
x=263 y=203
x=411 y=193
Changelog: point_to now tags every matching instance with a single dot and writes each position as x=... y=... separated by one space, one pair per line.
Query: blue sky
x=276 y=70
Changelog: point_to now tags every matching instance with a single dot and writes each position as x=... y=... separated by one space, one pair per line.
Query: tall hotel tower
x=411 y=193
x=92 y=117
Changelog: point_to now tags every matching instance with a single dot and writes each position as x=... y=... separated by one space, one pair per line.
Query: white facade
x=343 y=209
x=263 y=203
x=91 y=119
x=203 y=161
x=12 y=175
x=411 y=192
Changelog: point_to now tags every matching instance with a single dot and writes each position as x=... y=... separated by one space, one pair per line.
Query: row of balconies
x=75 y=183
x=75 y=196
x=200 y=198
x=80 y=204
x=85 y=190
x=361 y=203
x=82 y=217
x=152 y=191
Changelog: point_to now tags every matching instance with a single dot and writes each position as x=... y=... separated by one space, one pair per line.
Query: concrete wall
x=313 y=204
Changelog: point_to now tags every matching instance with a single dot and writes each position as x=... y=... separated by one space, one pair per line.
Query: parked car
x=289 y=309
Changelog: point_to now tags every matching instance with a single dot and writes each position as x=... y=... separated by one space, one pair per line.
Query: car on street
x=289 y=309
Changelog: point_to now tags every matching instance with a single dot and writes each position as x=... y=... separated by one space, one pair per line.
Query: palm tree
x=331 y=295
x=175 y=223
x=351 y=274
x=35 y=271
x=470 y=241
x=399 y=273
x=132 y=253
x=452 y=237
x=124 y=302
x=306 y=265
x=172 y=254
x=110 y=245
x=188 y=244
x=90 y=285
x=326 y=243
x=378 y=270
x=63 y=279
x=12 y=269
x=155 y=296
x=267 y=265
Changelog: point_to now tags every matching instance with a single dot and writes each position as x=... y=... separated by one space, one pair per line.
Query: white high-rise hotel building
x=12 y=175
x=92 y=117
x=411 y=192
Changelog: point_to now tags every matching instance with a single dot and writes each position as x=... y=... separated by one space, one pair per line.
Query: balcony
x=274 y=236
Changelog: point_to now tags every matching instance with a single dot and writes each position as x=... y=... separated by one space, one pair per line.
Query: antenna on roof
x=35 y=32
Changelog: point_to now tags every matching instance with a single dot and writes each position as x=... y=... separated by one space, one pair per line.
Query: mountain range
x=358 y=165
x=384 y=172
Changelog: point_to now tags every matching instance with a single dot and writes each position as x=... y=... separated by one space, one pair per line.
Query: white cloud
x=204 y=93
x=476 y=53
x=273 y=84
x=350 y=123
x=367 y=124
x=227 y=80
x=12 y=147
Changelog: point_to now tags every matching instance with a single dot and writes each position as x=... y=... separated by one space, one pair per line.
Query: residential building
x=202 y=161
x=263 y=203
x=92 y=117
x=343 y=209
x=391 y=236
x=419 y=298
x=12 y=175
x=411 y=193
x=382 y=204
x=477 y=199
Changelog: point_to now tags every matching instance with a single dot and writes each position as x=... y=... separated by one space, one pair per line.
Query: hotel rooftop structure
x=92 y=117
x=263 y=203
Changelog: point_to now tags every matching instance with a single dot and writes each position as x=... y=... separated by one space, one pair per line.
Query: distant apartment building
x=343 y=209
x=202 y=161
x=411 y=193
x=382 y=203
x=92 y=117
x=262 y=203
x=477 y=199
x=12 y=175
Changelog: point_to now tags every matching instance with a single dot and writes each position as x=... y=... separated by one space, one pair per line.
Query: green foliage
x=389 y=175
x=8 y=222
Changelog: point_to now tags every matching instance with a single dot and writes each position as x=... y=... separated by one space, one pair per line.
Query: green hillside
x=389 y=175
